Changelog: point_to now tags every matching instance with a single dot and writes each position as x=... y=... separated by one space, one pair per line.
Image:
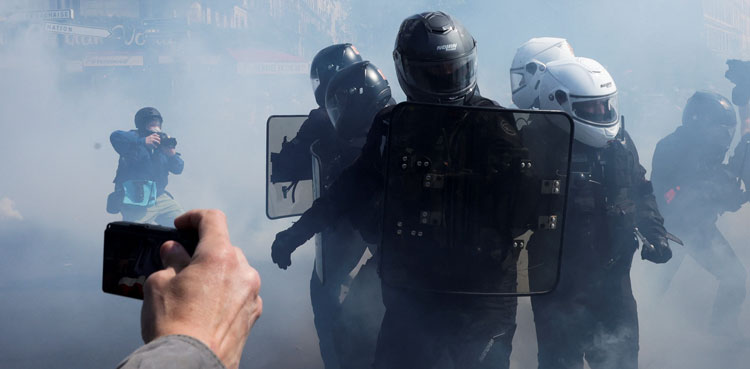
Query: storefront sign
x=69 y=29
x=43 y=15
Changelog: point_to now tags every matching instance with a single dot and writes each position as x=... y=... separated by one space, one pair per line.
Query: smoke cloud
x=57 y=165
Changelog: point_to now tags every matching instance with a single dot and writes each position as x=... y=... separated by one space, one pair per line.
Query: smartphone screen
x=131 y=254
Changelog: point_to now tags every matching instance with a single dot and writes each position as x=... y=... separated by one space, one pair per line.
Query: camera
x=166 y=141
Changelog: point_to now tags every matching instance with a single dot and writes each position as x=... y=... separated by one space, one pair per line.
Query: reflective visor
x=602 y=110
x=517 y=80
x=445 y=76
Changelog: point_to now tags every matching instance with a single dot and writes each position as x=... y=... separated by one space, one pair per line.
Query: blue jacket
x=138 y=161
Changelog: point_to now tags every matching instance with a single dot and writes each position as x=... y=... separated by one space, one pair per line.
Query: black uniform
x=592 y=312
x=347 y=332
x=325 y=301
x=418 y=326
x=694 y=187
x=345 y=246
x=296 y=152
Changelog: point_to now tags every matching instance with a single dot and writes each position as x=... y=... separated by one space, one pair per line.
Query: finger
x=211 y=224
x=173 y=255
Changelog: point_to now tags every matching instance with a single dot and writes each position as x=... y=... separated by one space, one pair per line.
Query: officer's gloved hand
x=658 y=252
x=285 y=243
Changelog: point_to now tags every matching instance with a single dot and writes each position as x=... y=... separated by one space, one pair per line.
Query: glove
x=285 y=243
x=658 y=252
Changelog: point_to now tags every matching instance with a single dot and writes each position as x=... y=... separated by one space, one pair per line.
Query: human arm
x=175 y=164
x=292 y=162
x=354 y=187
x=211 y=297
x=129 y=144
x=648 y=219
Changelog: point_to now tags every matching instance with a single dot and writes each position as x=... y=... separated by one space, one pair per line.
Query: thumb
x=173 y=255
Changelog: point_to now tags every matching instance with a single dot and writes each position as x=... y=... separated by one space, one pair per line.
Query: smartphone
x=131 y=254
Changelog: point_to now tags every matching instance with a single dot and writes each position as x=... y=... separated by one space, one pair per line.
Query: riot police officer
x=592 y=313
x=294 y=163
x=354 y=95
x=694 y=187
x=295 y=154
x=435 y=59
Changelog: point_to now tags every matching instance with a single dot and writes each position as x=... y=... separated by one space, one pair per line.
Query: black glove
x=285 y=243
x=658 y=252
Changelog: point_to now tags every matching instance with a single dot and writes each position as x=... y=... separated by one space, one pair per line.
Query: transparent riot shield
x=474 y=199
x=339 y=248
x=288 y=177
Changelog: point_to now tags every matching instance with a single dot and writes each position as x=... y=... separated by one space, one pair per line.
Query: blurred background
x=73 y=71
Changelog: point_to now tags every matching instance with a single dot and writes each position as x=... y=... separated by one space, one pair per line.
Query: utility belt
x=135 y=192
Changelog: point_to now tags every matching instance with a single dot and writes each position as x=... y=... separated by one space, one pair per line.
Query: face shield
x=719 y=135
x=441 y=77
x=315 y=82
x=517 y=79
x=598 y=111
x=335 y=105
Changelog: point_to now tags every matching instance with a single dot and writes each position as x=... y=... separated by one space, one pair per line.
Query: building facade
x=727 y=27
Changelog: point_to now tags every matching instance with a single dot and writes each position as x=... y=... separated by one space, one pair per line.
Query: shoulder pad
x=318 y=113
x=384 y=115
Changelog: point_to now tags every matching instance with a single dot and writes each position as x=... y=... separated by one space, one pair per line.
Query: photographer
x=147 y=156
x=198 y=312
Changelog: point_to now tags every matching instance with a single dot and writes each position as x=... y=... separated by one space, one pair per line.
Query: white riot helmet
x=584 y=89
x=529 y=64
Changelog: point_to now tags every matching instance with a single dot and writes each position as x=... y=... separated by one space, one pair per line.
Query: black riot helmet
x=355 y=95
x=326 y=63
x=712 y=116
x=145 y=116
x=436 y=59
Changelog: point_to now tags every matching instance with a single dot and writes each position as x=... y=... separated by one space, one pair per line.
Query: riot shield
x=339 y=248
x=474 y=199
x=288 y=178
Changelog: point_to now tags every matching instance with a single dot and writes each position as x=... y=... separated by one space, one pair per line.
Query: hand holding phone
x=211 y=296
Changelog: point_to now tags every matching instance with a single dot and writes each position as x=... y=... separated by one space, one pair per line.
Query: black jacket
x=358 y=191
x=138 y=161
x=692 y=184
x=608 y=197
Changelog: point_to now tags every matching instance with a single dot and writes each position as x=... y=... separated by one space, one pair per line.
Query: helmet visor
x=517 y=80
x=601 y=110
x=442 y=77
x=315 y=82
x=334 y=107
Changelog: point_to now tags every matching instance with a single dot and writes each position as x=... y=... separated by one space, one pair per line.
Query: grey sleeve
x=175 y=351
